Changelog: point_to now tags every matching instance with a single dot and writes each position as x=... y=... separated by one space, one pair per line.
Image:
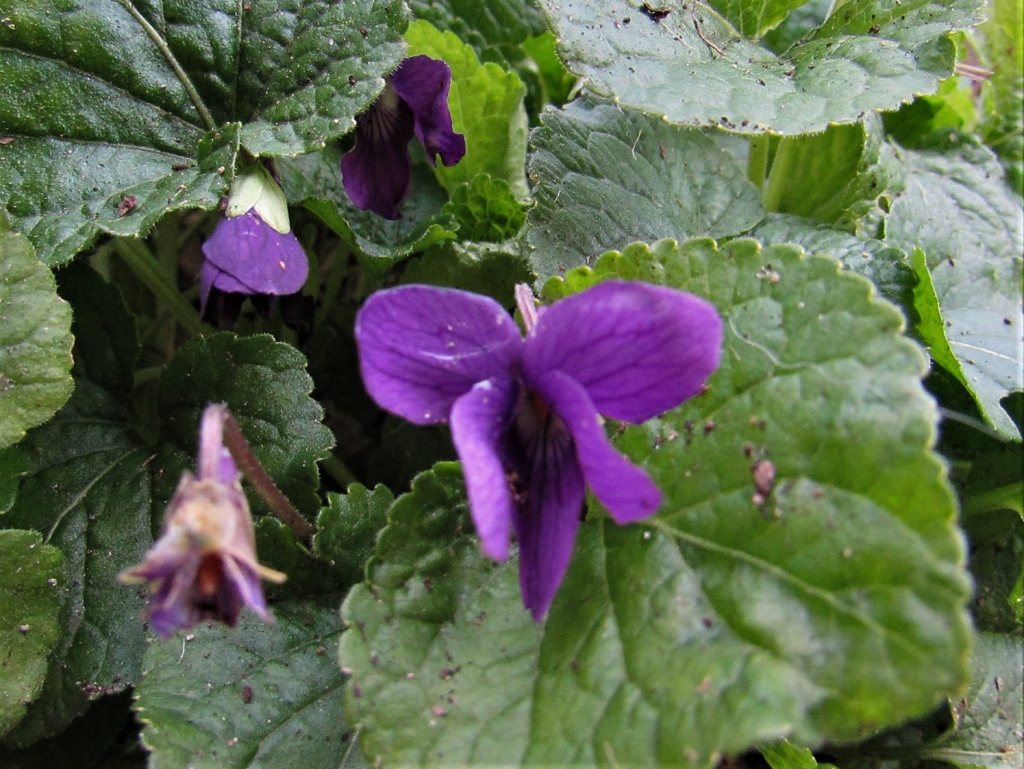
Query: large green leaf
x=108 y=102
x=604 y=177
x=347 y=528
x=825 y=608
x=486 y=103
x=693 y=67
x=883 y=265
x=267 y=388
x=266 y=696
x=35 y=341
x=989 y=729
x=88 y=492
x=957 y=208
x=31 y=587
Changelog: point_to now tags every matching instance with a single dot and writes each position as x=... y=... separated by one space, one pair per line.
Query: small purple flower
x=377 y=172
x=524 y=412
x=204 y=565
x=253 y=250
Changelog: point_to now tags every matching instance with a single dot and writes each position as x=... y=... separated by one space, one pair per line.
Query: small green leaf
x=694 y=68
x=989 y=729
x=753 y=18
x=88 y=492
x=1003 y=47
x=137 y=94
x=31 y=587
x=486 y=210
x=347 y=528
x=13 y=464
x=254 y=696
x=267 y=388
x=833 y=605
x=785 y=755
x=605 y=177
x=308 y=576
x=486 y=103
x=558 y=81
x=35 y=341
x=957 y=208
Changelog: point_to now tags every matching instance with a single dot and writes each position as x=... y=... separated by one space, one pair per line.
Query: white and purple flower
x=204 y=564
x=377 y=172
x=524 y=413
x=253 y=250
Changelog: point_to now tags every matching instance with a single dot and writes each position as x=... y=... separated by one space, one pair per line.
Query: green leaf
x=116 y=136
x=915 y=125
x=267 y=388
x=88 y=492
x=605 y=177
x=483 y=268
x=256 y=696
x=486 y=103
x=997 y=562
x=1003 y=37
x=35 y=341
x=493 y=27
x=784 y=755
x=31 y=577
x=13 y=464
x=347 y=528
x=308 y=576
x=486 y=210
x=797 y=25
x=753 y=18
x=443 y=656
x=558 y=81
x=957 y=208
x=883 y=265
x=990 y=717
x=694 y=68
x=832 y=607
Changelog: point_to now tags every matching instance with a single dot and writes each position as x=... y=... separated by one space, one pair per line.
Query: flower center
x=540 y=443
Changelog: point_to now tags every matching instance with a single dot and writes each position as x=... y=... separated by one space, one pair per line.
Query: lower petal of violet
x=623 y=488
x=423 y=83
x=549 y=499
x=246 y=255
x=479 y=421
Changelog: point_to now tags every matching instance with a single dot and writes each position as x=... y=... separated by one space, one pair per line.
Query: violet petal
x=421 y=348
x=254 y=258
x=479 y=420
x=637 y=349
x=377 y=172
x=546 y=524
x=623 y=488
x=423 y=83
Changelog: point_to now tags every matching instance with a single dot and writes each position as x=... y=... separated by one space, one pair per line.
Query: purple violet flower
x=253 y=250
x=524 y=412
x=204 y=564
x=377 y=172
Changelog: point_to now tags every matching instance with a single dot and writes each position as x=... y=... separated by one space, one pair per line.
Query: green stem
x=757 y=159
x=778 y=178
x=144 y=265
x=338 y=470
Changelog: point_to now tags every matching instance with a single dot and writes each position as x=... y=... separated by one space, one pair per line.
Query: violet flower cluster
x=377 y=172
x=204 y=564
x=524 y=413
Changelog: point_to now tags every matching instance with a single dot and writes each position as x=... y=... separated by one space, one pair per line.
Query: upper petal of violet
x=256 y=256
x=423 y=83
x=637 y=349
x=377 y=172
x=421 y=348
